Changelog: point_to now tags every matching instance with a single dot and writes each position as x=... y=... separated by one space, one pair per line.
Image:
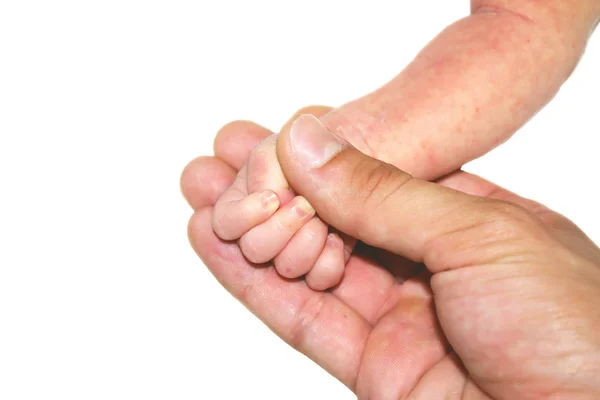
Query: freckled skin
x=493 y=70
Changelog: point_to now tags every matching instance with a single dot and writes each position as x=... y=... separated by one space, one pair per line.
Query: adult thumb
x=387 y=208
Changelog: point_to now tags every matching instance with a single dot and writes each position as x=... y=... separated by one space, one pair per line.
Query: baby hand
x=273 y=224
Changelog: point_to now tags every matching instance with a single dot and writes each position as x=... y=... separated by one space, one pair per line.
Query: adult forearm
x=473 y=86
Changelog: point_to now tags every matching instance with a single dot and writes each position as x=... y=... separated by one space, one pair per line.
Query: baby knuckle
x=250 y=250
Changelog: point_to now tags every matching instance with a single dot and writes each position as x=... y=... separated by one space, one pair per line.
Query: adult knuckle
x=506 y=219
x=381 y=183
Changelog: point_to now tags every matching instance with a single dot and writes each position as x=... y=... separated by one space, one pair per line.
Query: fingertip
x=315 y=110
x=198 y=226
x=302 y=251
x=233 y=219
x=265 y=241
x=329 y=267
x=269 y=201
x=218 y=226
x=302 y=208
x=234 y=141
x=252 y=252
x=203 y=180
x=303 y=152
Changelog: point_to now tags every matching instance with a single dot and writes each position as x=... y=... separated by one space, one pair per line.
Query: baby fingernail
x=333 y=240
x=312 y=143
x=269 y=200
x=302 y=208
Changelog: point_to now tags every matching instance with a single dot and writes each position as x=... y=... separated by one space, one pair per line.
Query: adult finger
x=204 y=179
x=386 y=207
x=317 y=111
x=234 y=142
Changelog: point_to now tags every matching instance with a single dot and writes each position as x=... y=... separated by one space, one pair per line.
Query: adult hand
x=469 y=90
x=515 y=286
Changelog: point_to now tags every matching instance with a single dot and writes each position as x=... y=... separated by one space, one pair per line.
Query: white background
x=102 y=103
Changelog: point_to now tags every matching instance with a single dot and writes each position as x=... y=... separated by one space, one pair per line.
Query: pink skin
x=272 y=224
x=469 y=89
x=329 y=267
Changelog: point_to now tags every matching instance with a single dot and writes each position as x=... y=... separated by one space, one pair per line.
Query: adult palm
x=377 y=331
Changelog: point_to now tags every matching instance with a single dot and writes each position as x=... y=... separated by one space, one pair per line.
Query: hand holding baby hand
x=271 y=223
